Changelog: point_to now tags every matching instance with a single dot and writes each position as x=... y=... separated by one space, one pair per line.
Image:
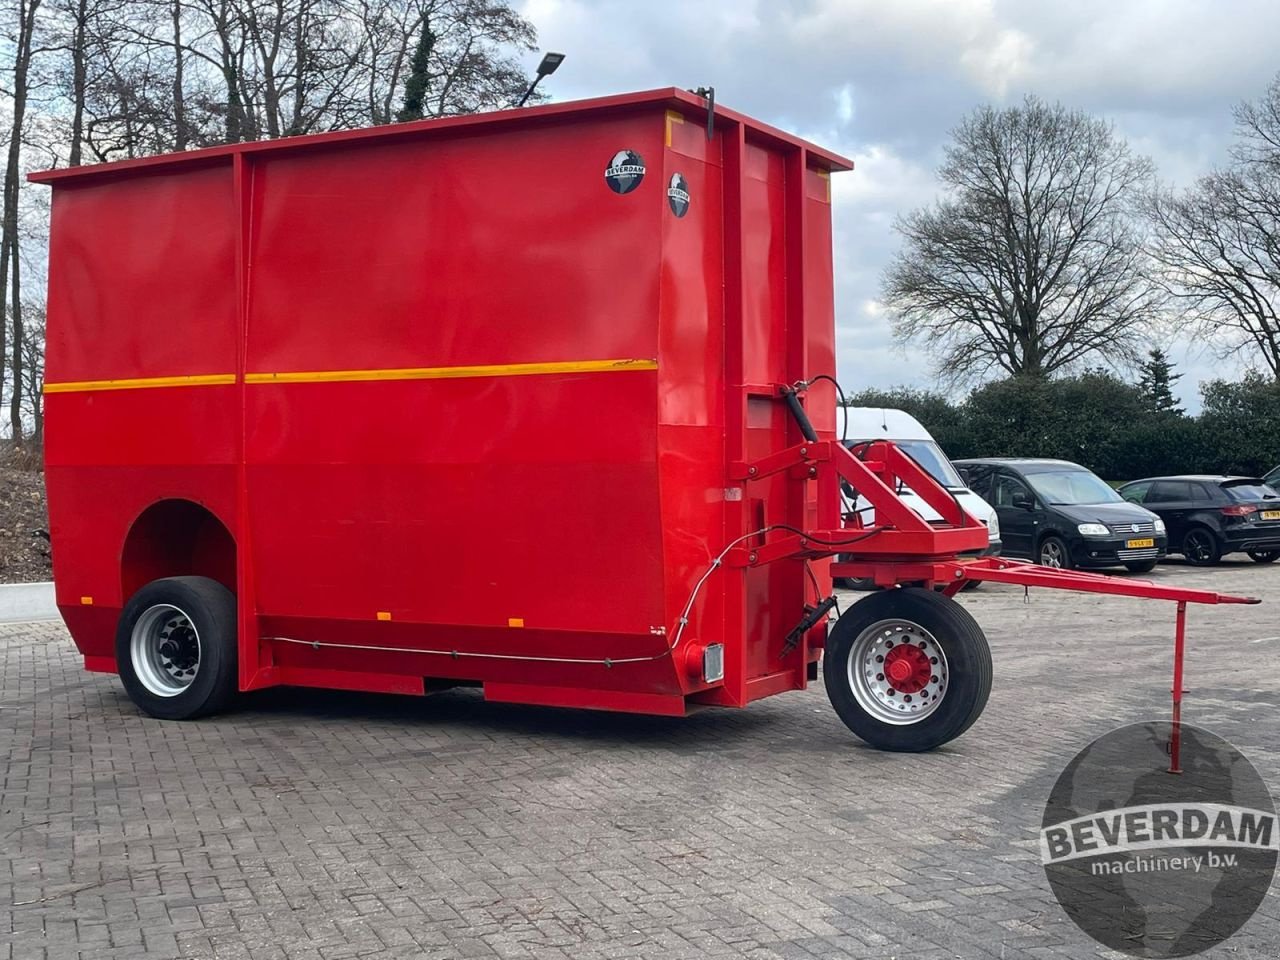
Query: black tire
x=1263 y=556
x=967 y=662
x=1053 y=547
x=1142 y=566
x=1201 y=548
x=209 y=609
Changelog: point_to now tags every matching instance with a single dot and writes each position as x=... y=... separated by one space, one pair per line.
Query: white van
x=879 y=423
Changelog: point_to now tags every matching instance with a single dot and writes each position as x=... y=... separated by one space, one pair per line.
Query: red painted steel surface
x=438 y=403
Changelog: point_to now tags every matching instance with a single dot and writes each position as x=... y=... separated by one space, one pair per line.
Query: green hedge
x=1100 y=421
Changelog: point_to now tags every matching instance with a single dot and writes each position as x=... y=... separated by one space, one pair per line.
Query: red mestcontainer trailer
x=522 y=400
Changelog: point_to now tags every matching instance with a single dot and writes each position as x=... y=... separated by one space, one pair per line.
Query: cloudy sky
x=883 y=81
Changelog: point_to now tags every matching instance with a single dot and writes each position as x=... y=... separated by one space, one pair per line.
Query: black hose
x=802 y=418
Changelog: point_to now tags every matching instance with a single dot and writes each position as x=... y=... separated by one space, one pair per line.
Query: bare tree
x=1033 y=261
x=1218 y=243
x=456 y=54
x=24 y=50
x=31 y=383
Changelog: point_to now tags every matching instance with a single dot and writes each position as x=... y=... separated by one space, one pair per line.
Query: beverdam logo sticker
x=678 y=194
x=1155 y=864
x=624 y=172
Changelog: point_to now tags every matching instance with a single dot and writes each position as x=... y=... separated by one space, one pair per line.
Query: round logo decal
x=624 y=172
x=678 y=194
x=1153 y=863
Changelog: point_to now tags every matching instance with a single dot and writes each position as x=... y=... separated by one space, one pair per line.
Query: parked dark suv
x=1061 y=515
x=1208 y=516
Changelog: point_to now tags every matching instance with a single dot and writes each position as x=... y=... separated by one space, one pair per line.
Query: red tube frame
x=902 y=547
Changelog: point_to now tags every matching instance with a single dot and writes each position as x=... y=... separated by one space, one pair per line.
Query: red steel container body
x=443 y=402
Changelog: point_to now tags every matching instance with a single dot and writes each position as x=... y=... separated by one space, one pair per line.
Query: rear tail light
x=1239 y=510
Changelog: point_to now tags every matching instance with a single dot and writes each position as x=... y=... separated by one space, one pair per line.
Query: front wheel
x=907 y=670
x=1263 y=556
x=176 y=647
x=1053 y=553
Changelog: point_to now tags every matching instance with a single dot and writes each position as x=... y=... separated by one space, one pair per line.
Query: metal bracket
x=709 y=94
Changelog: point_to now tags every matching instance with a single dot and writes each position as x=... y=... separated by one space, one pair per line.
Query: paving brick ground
x=320 y=825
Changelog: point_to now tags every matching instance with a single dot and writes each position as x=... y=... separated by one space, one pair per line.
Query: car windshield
x=1066 y=487
x=1250 y=490
x=930 y=456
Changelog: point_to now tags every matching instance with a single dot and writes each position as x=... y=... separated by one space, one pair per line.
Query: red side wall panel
x=394 y=474
x=139 y=287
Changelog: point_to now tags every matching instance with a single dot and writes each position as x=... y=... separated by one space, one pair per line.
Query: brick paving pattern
x=319 y=826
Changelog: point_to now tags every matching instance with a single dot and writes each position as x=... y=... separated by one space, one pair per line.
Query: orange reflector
x=384 y=614
x=515 y=621
x=86 y=601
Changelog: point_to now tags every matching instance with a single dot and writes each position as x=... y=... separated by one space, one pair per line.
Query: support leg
x=1175 y=736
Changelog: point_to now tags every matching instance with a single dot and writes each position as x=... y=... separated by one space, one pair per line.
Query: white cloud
x=884 y=82
x=961 y=36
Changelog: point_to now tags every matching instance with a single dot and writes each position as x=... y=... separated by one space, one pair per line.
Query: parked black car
x=1209 y=516
x=1061 y=515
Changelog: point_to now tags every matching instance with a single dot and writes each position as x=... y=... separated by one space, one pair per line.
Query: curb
x=27 y=602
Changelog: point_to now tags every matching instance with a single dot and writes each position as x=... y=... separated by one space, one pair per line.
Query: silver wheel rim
x=1051 y=555
x=165 y=649
x=875 y=691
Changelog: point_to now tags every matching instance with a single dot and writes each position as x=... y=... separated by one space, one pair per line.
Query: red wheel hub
x=908 y=668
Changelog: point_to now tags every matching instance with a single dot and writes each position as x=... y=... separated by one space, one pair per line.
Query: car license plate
x=1135 y=544
x=1271 y=514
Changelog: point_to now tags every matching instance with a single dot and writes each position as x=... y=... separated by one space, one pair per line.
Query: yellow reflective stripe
x=452 y=373
x=672 y=117
x=826 y=175
x=339 y=376
x=141 y=383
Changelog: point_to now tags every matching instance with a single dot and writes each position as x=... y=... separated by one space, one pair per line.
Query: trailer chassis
x=902 y=548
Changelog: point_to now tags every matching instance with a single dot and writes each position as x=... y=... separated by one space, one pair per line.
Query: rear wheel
x=1142 y=566
x=1200 y=547
x=176 y=647
x=907 y=670
x=1263 y=556
x=1053 y=553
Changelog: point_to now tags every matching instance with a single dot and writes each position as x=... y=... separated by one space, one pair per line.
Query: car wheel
x=863 y=584
x=176 y=647
x=851 y=583
x=1263 y=556
x=1053 y=553
x=907 y=670
x=1144 y=566
x=1200 y=547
